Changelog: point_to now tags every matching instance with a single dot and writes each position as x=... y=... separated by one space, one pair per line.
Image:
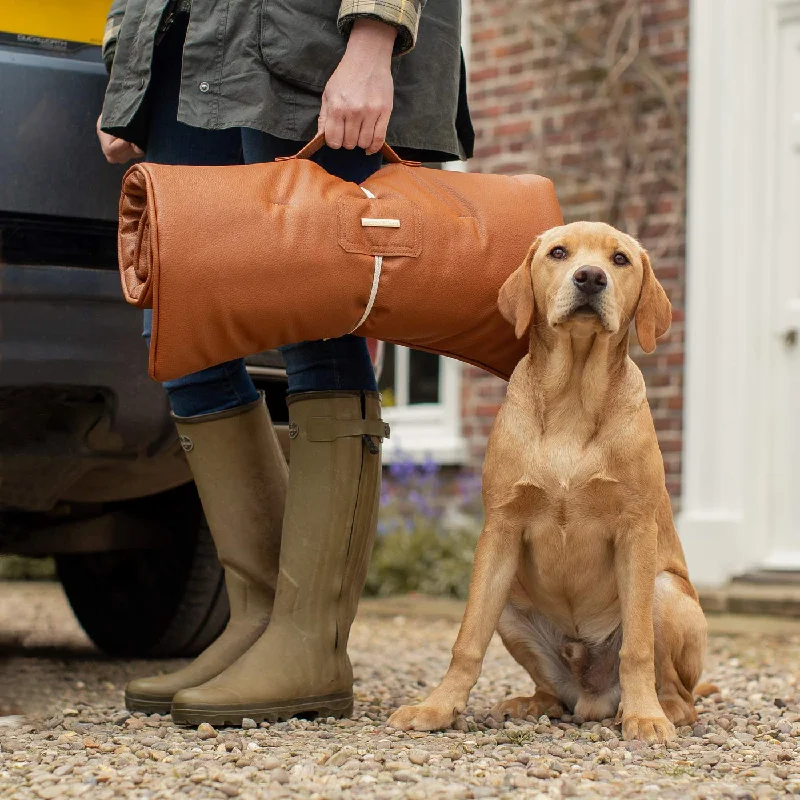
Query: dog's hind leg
x=534 y=643
x=680 y=646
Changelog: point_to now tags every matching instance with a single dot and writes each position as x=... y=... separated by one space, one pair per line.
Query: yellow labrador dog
x=579 y=566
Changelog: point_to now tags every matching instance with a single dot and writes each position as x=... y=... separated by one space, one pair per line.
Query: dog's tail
x=705 y=689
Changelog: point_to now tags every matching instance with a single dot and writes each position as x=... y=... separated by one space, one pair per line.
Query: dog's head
x=587 y=278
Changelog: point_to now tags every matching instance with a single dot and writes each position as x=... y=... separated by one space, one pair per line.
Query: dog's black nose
x=590 y=280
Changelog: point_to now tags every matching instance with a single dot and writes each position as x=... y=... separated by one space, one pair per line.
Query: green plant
x=427 y=532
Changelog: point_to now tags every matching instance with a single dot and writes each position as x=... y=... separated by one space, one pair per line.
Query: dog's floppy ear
x=654 y=312
x=516 y=295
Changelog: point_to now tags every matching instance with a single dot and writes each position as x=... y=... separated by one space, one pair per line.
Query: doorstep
x=753 y=595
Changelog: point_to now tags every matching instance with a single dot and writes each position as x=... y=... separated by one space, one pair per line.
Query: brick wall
x=595 y=99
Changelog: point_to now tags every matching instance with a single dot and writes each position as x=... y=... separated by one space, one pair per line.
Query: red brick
x=573 y=132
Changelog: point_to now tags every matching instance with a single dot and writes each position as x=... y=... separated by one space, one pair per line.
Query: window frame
x=426 y=430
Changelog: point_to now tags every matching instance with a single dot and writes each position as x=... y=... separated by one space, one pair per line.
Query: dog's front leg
x=635 y=568
x=496 y=560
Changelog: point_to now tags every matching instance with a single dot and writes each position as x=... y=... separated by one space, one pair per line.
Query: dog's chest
x=561 y=464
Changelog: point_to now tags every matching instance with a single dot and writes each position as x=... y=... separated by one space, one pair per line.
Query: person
x=195 y=82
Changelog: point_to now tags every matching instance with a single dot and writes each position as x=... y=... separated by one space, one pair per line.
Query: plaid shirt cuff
x=403 y=14
x=110 y=36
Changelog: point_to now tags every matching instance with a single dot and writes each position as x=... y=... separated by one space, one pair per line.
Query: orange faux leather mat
x=236 y=260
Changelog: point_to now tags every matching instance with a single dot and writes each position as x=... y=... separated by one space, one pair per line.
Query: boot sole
x=333 y=705
x=148 y=705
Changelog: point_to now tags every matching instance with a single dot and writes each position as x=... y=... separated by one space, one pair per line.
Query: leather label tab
x=402 y=238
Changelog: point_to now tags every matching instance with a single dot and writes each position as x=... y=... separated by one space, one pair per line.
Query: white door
x=782 y=258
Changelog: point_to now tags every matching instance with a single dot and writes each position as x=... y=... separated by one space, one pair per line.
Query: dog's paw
x=421 y=717
x=515 y=708
x=679 y=712
x=522 y=707
x=653 y=730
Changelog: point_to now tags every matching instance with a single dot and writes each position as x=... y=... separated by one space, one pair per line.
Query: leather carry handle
x=319 y=140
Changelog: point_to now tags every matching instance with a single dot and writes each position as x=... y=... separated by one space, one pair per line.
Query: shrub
x=428 y=528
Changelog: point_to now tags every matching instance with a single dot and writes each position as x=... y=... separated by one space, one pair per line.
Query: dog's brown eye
x=558 y=252
x=620 y=259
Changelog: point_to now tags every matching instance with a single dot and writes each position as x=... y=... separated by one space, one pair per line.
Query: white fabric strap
x=376 y=277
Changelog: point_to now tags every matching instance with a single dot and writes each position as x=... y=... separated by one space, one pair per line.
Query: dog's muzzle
x=590 y=280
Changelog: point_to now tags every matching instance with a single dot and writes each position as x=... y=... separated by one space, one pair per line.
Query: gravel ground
x=72 y=737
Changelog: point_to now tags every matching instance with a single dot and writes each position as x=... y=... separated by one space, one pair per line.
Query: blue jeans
x=310 y=366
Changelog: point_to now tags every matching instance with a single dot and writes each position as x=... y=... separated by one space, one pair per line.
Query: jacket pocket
x=300 y=42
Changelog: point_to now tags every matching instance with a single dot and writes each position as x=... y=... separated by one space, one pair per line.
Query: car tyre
x=158 y=602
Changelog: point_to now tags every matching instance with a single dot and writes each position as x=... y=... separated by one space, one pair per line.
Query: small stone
x=635 y=745
x=405 y=776
x=270 y=762
x=461 y=724
x=70 y=712
x=229 y=790
x=49 y=792
x=134 y=724
x=340 y=758
x=453 y=755
x=603 y=755
x=280 y=775
x=568 y=789
x=249 y=724
x=419 y=757
x=779 y=703
x=479 y=792
x=543 y=773
x=205 y=731
x=699 y=730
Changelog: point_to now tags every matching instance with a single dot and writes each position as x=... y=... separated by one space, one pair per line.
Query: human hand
x=116 y=150
x=358 y=98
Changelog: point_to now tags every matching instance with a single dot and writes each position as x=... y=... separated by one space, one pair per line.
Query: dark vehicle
x=91 y=471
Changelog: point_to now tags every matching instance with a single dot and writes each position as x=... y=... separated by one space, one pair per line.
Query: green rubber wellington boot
x=241 y=477
x=300 y=666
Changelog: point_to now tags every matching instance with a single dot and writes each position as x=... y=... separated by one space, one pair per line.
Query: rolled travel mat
x=240 y=259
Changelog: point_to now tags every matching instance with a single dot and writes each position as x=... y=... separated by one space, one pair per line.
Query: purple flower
x=402 y=468
x=429 y=465
x=469 y=486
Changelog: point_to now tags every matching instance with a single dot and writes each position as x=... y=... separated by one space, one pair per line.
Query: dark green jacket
x=264 y=63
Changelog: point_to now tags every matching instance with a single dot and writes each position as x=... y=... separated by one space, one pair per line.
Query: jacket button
x=204 y=87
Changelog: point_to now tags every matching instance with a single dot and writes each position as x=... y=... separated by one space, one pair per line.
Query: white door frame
x=724 y=522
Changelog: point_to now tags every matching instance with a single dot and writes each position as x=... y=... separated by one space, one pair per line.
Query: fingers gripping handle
x=319 y=140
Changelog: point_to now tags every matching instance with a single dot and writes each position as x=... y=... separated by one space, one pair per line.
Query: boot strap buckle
x=329 y=429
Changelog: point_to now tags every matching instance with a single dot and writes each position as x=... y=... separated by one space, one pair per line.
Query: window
x=422 y=403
